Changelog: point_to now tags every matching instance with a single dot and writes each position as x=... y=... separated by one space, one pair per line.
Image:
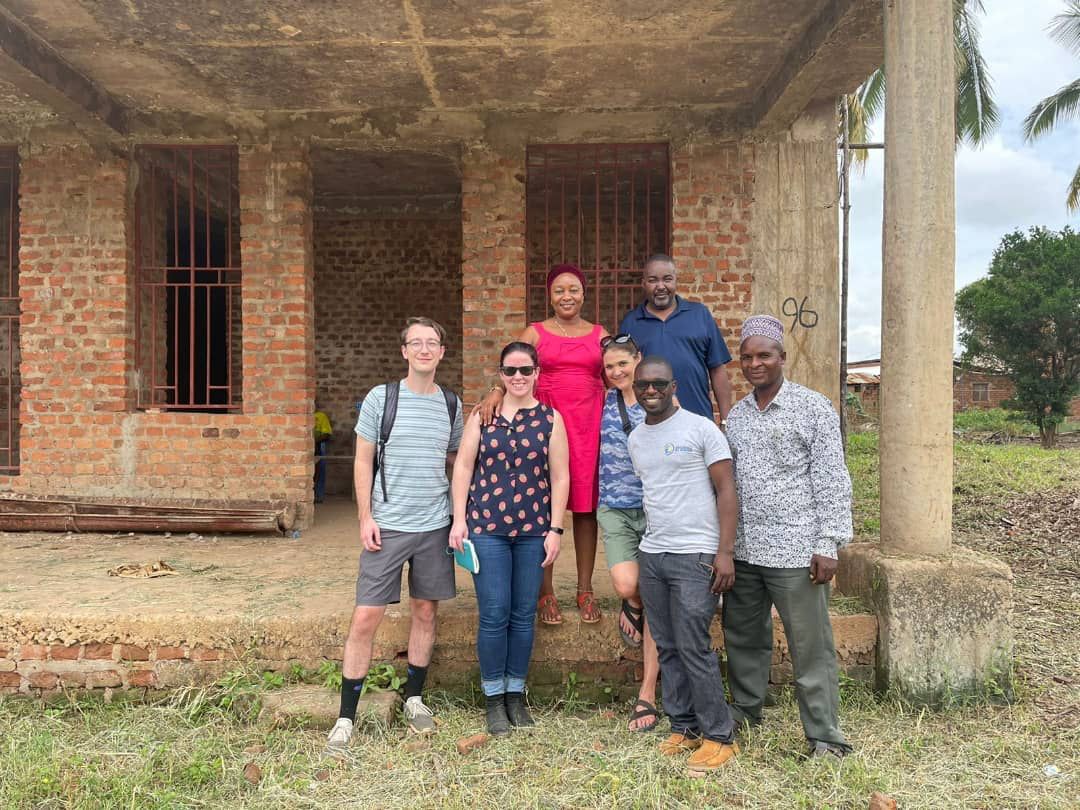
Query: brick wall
x=713 y=205
x=81 y=434
x=493 y=261
x=370 y=274
x=999 y=389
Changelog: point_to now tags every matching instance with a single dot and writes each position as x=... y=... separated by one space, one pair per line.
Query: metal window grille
x=188 y=316
x=980 y=392
x=10 y=379
x=605 y=208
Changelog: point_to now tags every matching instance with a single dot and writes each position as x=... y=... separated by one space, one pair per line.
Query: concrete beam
x=32 y=65
x=836 y=52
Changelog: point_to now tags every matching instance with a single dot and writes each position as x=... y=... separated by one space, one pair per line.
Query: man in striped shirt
x=410 y=523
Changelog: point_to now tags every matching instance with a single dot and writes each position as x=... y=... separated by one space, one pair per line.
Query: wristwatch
x=557 y=529
x=723 y=424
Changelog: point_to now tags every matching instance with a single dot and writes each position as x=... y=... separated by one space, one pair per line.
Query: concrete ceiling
x=129 y=63
x=345 y=174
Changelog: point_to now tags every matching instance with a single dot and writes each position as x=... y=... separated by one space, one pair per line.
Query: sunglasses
x=510 y=371
x=641 y=386
x=620 y=339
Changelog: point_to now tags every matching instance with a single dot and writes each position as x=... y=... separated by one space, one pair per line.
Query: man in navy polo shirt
x=683 y=333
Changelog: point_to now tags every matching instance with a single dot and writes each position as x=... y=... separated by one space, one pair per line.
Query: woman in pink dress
x=572 y=383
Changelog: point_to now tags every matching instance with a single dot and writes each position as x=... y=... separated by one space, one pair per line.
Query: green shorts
x=623 y=530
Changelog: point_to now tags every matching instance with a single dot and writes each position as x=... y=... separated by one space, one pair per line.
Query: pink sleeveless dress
x=571 y=381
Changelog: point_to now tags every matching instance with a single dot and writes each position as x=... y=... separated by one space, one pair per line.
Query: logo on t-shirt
x=671 y=449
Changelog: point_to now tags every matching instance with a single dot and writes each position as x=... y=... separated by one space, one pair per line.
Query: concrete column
x=917 y=286
x=796 y=242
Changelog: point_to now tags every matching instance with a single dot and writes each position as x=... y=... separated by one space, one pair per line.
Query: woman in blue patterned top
x=621 y=517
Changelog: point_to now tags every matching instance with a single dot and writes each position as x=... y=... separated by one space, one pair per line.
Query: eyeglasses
x=430 y=345
x=641 y=386
x=510 y=371
x=619 y=340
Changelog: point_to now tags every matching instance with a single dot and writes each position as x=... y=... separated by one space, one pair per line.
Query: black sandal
x=642 y=708
x=636 y=617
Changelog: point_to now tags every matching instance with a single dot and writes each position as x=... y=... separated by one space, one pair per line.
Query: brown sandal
x=548 y=610
x=587 y=607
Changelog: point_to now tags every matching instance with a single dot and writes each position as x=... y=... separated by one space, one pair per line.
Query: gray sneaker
x=337 y=743
x=420 y=718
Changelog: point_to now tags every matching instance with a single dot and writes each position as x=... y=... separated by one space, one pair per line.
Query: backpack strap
x=623 y=414
x=389 y=414
x=451 y=407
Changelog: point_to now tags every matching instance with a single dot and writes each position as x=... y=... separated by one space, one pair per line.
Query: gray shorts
x=431 y=569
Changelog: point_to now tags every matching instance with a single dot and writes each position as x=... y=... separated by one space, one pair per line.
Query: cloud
x=1005 y=185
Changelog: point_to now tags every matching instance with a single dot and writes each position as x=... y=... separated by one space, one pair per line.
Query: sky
x=1005 y=185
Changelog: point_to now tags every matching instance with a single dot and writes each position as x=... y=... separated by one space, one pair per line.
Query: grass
x=96 y=755
x=985 y=478
x=191 y=749
x=1001 y=422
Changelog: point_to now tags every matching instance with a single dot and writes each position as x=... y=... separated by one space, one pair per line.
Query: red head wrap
x=559 y=269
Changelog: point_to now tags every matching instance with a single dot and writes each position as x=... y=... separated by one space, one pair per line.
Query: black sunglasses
x=619 y=340
x=510 y=371
x=641 y=386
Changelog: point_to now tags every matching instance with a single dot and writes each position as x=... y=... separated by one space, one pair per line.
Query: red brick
x=33 y=652
x=60 y=653
x=108 y=677
x=142 y=677
x=43 y=680
x=98 y=652
x=169 y=653
x=205 y=654
x=73 y=680
x=10 y=679
x=130 y=652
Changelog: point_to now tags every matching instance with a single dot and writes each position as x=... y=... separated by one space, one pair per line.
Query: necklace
x=561 y=328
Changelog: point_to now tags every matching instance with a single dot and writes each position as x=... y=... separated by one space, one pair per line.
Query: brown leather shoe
x=711 y=755
x=679 y=744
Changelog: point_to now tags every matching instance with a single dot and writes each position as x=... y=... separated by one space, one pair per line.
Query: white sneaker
x=420 y=718
x=337 y=743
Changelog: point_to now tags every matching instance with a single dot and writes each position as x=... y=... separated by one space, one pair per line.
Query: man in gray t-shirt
x=686 y=559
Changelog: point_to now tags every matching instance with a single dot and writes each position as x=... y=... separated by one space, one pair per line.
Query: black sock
x=414 y=683
x=350 y=696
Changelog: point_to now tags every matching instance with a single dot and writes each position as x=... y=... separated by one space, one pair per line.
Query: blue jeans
x=679 y=604
x=507 y=588
x=320 y=471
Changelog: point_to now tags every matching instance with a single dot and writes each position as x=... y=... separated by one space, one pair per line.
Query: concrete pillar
x=917 y=284
x=944 y=615
x=796 y=242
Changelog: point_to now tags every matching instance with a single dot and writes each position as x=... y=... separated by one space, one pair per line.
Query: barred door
x=10 y=380
x=605 y=208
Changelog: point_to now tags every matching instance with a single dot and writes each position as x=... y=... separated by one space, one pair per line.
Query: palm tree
x=1065 y=103
x=976 y=110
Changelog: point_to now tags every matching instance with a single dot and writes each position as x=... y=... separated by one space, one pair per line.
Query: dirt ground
x=1039 y=537
x=250 y=576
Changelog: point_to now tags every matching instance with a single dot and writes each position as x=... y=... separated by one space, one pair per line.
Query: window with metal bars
x=10 y=380
x=605 y=208
x=188 y=307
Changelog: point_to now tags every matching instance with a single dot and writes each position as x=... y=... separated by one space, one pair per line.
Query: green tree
x=976 y=111
x=1024 y=318
x=1065 y=103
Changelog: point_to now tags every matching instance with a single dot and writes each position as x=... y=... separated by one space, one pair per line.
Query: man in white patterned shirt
x=794 y=513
